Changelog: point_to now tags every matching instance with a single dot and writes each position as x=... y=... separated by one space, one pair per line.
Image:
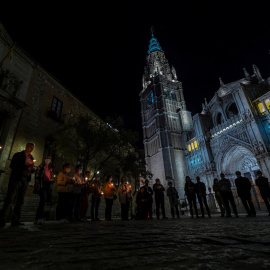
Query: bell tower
x=165 y=121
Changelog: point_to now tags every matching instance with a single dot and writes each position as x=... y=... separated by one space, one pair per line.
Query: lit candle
x=34 y=161
x=54 y=175
x=101 y=193
x=86 y=178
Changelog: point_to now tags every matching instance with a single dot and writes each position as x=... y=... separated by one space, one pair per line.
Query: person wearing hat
x=150 y=193
x=263 y=185
x=243 y=186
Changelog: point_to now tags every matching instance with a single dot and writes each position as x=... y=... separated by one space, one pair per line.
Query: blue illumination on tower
x=154 y=45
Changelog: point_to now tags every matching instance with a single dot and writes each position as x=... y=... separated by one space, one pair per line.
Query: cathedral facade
x=232 y=132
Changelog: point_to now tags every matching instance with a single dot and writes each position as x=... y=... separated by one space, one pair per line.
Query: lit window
x=261 y=108
x=195 y=144
x=192 y=146
x=56 y=107
x=152 y=97
x=267 y=103
x=189 y=148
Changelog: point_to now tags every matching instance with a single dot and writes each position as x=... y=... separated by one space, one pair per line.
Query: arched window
x=232 y=110
x=192 y=146
x=189 y=148
x=267 y=103
x=219 y=119
x=261 y=108
x=166 y=94
x=195 y=144
x=173 y=96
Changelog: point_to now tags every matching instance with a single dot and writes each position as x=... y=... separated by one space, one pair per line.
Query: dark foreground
x=216 y=243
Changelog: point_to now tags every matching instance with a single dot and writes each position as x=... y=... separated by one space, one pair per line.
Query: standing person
x=218 y=197
x=96 y=196
x=64 y=187
x=84 y=197
x=159 y=198
x=150 y=193
x=263 y=185
x=77 y=193
x=173 y=199
x=124 y=192
x=200 y=190
x=109 y=195
x=141 y=201
x=42 y=186
x=191 y=196
x=243 y=186
x=22 y=166
x=227 y=195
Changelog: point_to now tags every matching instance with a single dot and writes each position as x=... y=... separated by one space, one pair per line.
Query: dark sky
x=98 y=50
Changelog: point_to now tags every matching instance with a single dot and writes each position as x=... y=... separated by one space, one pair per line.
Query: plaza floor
x=216 y=243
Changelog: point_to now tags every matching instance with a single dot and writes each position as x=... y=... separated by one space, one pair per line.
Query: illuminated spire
x=221 y=82
x=257 y=73
x=246 y=74
x=153 y=45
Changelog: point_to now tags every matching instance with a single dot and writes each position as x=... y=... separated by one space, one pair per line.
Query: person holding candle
x=124 y=191
x=142 y=201
x=77 y=193
x=84 y=197
x=150 y=193
x=96 y=196
x=43 y=181
x=22 y=167
x=109 y=195
x=64 y=187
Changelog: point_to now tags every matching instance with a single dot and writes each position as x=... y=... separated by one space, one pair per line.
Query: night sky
x=99 y=51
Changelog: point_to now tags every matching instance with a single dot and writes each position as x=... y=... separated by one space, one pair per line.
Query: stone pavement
x=216 y=243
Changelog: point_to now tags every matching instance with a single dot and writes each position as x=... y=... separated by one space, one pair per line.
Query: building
x=230 y=134
x=165 y=120
x=33 y=105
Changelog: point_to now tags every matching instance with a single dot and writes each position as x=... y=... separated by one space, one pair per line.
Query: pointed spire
x=257 y=73
x=174 y=73
x=221 y=82
x=154 y=45
x=246 y=74
x=205 y=101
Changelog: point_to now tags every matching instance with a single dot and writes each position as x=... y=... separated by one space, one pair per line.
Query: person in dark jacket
x=173 y=199
x=218 y=197
x=200 y=190
x=150 y=193
x=159 y=198
x=42 y=186
x=243 y=186
x=22 y=166
x=141 y=201
x=263 y=185
x=227 y=195
x=191 y=196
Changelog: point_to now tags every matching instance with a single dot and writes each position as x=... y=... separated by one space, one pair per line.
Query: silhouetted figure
x=173 y=199
x=218 y=197
x=243 y=186
x=159 y=198
x=227 y=195
x=150 y=193
x=263 y=185
x=191 y=196
x=200 y=190
x=141 y=201
x=125 y=193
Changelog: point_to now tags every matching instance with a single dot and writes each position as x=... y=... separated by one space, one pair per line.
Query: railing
x=226 y=126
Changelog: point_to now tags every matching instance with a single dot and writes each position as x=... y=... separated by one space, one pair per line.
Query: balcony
x=226 y=126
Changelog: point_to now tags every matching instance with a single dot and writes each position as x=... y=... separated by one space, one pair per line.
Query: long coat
x=173 y=196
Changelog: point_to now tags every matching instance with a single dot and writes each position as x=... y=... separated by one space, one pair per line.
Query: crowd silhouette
x=75 y=191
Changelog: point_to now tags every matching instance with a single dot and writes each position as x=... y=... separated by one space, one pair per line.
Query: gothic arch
x=218 y=118
x=236 y=158
x=231 y=110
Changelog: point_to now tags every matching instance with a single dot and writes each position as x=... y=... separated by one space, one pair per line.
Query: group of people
x=74 y=193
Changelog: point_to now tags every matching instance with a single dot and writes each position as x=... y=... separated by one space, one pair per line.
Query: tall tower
x=165 y=121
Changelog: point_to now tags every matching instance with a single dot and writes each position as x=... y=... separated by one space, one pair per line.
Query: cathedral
x=231 y=133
